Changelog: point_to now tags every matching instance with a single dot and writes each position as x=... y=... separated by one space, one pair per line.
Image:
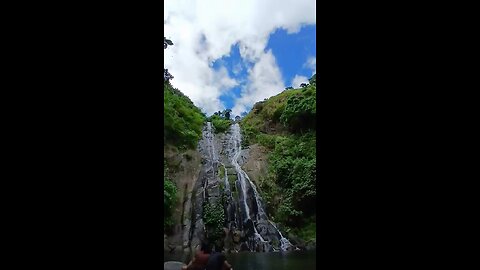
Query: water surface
x=302 y=260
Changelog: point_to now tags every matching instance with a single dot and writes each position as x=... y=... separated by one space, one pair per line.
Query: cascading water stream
x=246 y=220
x=244 y=180
x=284 y=243
x=213 y=157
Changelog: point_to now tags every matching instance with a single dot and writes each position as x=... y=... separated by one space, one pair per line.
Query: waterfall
x=245 y=215
x=213 y=157
x=284 y=243
x=245 y=182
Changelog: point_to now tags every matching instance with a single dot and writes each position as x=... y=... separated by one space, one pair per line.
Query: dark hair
x=205 y=247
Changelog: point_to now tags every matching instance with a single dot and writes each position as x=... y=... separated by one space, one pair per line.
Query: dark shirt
x=215 y=262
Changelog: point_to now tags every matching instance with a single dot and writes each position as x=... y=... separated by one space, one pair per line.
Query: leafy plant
x=285 y=124
x=214 y=219
x=219 y=123
x=300 y=111
x=183 y=121
x=313 y=79
x=266 y=140
x=169 y=198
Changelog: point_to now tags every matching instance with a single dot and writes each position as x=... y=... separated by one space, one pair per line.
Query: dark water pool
x=303 y=260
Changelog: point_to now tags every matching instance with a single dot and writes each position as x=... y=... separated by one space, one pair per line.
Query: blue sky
x=240 y=52
x=291 y=52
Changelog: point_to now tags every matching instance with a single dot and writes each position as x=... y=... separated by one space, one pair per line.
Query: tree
x=237 y=118
x=166 y=42
x=227 y=114
x=166 y=75
x=304 y=85
x=288 y=88
x=313 y=79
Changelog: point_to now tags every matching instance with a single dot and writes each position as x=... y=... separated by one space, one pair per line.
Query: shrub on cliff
x=183 y=121
x=220 y=123
x=169 y=198
x=214 y=219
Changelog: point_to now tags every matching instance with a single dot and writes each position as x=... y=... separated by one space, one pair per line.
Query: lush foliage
x=313 y=79
x=300 y=111
x=214 y=218
x=308 y=231
x=267 y=140
x=183 y=121
x=169 y=198
x=285 y=124
x=293 y=166
x=292 y=111
x=220 y=123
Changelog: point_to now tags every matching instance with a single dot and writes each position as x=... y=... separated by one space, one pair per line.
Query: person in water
x=200 y=259
x=218 y=261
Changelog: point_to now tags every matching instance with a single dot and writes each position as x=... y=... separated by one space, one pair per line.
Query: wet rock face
x=204 y=186
x=244 y=247
x=231 y=213
x=267 y=230
x=222 y=179
x=251 y=201
x=249 y=228
x=236 y=236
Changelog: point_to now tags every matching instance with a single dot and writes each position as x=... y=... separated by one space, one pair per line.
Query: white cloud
x=311 y=64
x=297 y=80
x=264 y=81
x=205 y=30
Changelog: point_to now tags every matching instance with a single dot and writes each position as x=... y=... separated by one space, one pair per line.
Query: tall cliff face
x=183 y=123
x=184 y=170
x=241 y=222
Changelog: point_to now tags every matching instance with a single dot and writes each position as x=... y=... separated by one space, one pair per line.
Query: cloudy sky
x=231 y=54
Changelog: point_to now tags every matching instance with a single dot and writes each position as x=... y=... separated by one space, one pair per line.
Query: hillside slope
x=281 y=134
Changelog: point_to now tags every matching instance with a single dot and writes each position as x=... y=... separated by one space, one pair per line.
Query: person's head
x=205 y=247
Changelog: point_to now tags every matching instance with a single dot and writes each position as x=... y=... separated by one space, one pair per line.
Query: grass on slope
x=289 y=189
x=183 y=121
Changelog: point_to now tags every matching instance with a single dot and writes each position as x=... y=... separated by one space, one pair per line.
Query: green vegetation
x=234 y=192
x=169 y=198
x=183 y=121
x=307 y=232
x=313 y=80
x=221 y=172
x=267 y=140
x=268 y=111
x=300 y=111
x=285 y=125
x=214 y=218
x=231 y=180
x=221 y=124
x=293 y=166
